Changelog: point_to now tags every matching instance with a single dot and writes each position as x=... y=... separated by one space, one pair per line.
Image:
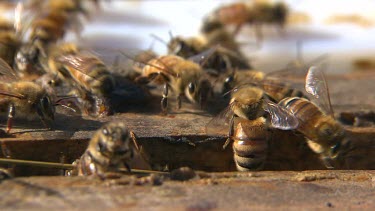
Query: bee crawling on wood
x=109 y=149
x=325 y=136
x=257 y=115
x=87 y=74
x=185 y=77
x=23 y=98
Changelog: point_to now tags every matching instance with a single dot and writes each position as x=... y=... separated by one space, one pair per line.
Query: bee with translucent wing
x=257 y=117
x=86 y=73
x=324 y=134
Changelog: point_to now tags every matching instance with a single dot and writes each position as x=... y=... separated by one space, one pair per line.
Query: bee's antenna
x=156 y=37
x=170 y=34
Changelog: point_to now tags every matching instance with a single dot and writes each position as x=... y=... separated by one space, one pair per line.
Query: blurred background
x=128 y=25
x=344 y=30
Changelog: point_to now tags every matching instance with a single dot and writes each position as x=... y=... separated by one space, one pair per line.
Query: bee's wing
x=7 y=74
x=166 y=68
x=296 y=69
x=281 y=118
x=219 y=125
x=11 y=94
x=79 y=62
x=316 y=85
x=244 y=85
x=203 y=57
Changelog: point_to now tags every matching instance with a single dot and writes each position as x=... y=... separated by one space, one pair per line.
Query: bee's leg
x=231 y=132
x=164 y=100
x=128 y=167
x=11 y=113
x=178 y=101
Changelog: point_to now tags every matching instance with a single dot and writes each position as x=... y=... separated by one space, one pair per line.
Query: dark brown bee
x=239 y=14
x=109 y=150
x=257 y=114
x=324 y=134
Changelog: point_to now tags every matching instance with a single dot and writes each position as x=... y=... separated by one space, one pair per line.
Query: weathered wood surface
x=284 y=190
x=179 y=139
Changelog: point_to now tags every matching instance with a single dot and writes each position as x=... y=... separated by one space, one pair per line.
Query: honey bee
x=226 y=56
x=324 y=134
x=183 y=76
x=24 y=98
x=257 y=114
x=109 y=149
x=90 y=77
x=143 y=58
x=49 y=22
x=250 y=144
x=239 y=14
x=274 y=87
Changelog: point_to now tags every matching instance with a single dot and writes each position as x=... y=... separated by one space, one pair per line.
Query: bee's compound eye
x=45 y=102
x=100 y=147
x=335 y=149
x=21 y=58
x=229 y=79
x=105 y=131
x=191 y=87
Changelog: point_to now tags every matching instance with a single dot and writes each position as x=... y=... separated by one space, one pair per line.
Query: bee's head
x=115 y=140
x=228 y=83
x=178 y=46
x=340 y=148
x=336 y=153
x=26 y=58
x=199 y=92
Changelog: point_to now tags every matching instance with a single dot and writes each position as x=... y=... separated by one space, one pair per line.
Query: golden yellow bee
x=109 y=150
x=256 y=114
x=23 y=98
x=250 y=145
x=85 y=72
x=183 y=76
x=324 y=134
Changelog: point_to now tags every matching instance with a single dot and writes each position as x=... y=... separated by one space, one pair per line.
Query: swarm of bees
x=39 y=71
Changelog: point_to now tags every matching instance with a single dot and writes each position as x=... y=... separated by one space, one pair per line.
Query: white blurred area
x=127 y=25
